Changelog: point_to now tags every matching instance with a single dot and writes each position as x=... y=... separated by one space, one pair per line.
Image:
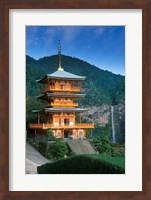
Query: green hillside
x=100 y=86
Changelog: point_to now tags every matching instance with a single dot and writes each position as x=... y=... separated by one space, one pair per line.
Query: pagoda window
x=71 y=119
x=66 y=121
x=61 y=121
x=72 y=122
x=55 y=119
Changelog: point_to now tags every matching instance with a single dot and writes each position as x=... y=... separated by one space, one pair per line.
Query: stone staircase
x=81 y=147
x=33 y=159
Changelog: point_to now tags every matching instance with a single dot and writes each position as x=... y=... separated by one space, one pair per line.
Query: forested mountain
x=101 y=87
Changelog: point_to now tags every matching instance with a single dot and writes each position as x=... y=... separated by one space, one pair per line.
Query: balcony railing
x=60 y=88
x=65 y=126
x=62 y=104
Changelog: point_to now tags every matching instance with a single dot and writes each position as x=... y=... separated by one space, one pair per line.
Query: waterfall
x=113 y=128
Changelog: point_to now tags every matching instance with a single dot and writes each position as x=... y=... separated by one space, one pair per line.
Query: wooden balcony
x=66 y=126
x=62 y=104
x=61 y=88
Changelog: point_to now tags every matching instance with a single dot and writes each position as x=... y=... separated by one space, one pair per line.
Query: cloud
x=99 y=31
x=50 y=31
x=31 y=32
x=70 y=32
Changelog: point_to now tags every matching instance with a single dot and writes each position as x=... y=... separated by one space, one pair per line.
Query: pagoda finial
x=59 y=56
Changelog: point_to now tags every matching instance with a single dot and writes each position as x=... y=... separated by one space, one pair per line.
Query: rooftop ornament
x=59 y=56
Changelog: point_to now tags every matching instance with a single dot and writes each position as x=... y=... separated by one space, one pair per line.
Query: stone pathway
x=33 y=159
x=81 y=147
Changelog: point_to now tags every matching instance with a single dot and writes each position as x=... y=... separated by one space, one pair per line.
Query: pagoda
x=60 y=111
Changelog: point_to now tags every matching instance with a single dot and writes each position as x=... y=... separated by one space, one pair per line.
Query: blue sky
x=102 y=46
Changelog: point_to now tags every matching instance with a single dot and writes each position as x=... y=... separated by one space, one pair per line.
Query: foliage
x=89 y=164
x=88 y=133
x=58 y=149
x=50 y=135
x=100 y=86
x=51 y=150
x=33 y=104
x=102 y=130
x=104 y=146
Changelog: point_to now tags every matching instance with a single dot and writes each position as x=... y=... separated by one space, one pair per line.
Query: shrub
x=85 y=164
x=43 y=148
x=50 y=135
x=51 y=150
x=58 y=149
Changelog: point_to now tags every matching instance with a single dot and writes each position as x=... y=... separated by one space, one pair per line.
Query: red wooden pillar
x=62 y=133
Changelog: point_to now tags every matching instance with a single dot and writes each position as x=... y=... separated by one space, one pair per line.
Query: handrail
x=72 y=88
x=64 y=104
x=50 y=125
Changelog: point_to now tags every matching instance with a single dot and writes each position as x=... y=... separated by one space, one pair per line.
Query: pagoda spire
x=59 y=56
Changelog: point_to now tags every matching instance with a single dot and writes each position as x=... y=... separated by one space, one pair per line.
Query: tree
x=50 y=134
x=58 y=149
x=104 y=146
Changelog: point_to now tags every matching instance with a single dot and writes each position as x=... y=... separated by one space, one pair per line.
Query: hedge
x=85 y=164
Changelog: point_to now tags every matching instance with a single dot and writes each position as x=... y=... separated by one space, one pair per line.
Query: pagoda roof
x=45 y=96
x=61 y=74
x=54 y=110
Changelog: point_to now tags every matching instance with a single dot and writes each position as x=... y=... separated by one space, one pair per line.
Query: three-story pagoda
x=62 y=88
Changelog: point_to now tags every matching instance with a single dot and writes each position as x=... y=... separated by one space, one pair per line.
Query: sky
x=102 y=46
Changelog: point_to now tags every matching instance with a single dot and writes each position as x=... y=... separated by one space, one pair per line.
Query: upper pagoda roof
x=61 y=74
